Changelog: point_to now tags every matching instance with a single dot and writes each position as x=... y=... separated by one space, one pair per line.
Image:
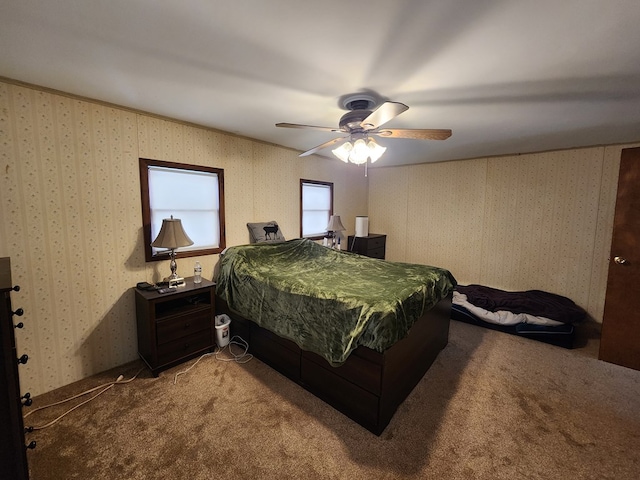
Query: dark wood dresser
x=174 y=327
x=13 y=451
x=373 y=245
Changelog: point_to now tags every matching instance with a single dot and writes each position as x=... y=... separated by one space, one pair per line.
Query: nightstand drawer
x=376 y=252
x=182 y=326
x=184 y=346
x=376 y=242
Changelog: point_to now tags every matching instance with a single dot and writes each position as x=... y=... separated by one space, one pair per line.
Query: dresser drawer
x=182 y=325
x=168 y=352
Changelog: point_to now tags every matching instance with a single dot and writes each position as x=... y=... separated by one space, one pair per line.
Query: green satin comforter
x=327 y=301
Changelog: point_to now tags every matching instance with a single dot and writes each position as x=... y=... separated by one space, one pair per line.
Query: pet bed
x=534 y=314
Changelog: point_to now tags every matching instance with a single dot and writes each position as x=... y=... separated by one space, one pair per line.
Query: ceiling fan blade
x=296 y=125
x=417 y=134
x=383 y=114
x=324 y=145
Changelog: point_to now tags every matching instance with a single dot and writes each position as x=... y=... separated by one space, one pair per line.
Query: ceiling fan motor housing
x=351 y=121
x=360 y=106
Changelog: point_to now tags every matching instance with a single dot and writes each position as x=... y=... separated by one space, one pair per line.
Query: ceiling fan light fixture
x=343 y=151
x=375 y=150
x=360 y=152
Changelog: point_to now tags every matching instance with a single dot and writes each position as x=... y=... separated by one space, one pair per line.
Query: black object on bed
x=533 y=314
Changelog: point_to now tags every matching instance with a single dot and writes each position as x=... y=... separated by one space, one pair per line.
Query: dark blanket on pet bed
x=532 y=302
x=561 y=335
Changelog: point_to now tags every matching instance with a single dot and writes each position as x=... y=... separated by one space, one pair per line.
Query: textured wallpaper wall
x=71 y=218
x=540 y=221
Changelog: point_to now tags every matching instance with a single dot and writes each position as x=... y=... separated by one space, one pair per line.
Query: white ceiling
x=507 y=76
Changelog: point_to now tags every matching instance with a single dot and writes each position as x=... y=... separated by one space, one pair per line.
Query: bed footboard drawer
x=357 y=370
x=343 y=395
x=281 y=354
x=240 y=327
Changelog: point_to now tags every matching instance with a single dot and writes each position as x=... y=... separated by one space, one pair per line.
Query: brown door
x=620 y=341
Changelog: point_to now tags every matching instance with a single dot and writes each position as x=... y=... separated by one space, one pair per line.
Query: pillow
x=268 y=232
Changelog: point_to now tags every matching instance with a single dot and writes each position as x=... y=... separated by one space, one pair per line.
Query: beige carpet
x=493 y=406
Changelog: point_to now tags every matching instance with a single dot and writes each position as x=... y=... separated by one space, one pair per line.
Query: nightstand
x=373 y=245
x=174 y=327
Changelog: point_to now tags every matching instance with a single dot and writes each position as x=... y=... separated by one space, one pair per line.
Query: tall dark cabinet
x=13 y=451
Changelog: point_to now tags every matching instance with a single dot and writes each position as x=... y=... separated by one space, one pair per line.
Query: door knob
x=620 y=260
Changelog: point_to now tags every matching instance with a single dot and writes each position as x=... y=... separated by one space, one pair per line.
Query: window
x=192 y=193
x=316 y=206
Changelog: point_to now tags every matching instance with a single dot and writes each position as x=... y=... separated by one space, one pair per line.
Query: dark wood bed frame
x=370 y=386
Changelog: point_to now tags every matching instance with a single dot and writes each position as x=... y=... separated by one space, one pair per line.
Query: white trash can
x=222 y=330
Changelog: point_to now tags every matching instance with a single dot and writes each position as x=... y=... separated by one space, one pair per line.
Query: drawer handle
x=187 y=325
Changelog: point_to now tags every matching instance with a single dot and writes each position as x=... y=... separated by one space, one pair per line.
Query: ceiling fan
x=362 y=121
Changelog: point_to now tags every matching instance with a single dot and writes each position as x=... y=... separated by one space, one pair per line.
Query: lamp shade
x=172 y=235
x=335 y=225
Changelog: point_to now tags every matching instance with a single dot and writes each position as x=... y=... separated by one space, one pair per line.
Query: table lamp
x=335 y=225
x=172 y=236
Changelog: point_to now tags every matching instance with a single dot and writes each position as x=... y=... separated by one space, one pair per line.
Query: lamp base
x=176 y=282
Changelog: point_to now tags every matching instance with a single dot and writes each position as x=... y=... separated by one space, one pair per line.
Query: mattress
x=327 y=301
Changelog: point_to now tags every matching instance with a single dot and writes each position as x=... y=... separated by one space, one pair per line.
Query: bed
x=357 y=332
x=533 y=314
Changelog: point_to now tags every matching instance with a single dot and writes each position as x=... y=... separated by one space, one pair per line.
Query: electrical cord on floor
x=104 y=387
x=242 y=357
